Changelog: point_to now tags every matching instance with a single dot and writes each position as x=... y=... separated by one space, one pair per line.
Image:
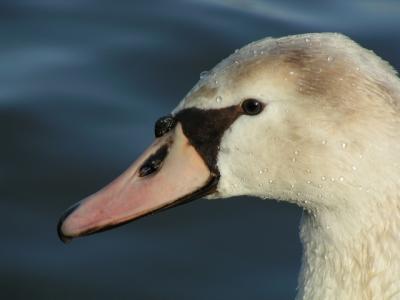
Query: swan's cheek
x=236 y=175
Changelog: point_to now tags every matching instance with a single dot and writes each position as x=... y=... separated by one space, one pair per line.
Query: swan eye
x=163 y=125
x=252 y=106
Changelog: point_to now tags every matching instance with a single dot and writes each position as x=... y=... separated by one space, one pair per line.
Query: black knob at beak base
x=163 y=125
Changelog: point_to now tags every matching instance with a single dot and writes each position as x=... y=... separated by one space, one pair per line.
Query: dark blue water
x=81 y=83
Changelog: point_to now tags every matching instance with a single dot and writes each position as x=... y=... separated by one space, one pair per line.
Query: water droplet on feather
x=204 y=74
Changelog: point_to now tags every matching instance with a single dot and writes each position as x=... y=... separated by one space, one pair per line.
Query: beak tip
x=61 y=235
x=63 y=238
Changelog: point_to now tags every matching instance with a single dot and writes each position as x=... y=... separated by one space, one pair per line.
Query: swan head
x=300 y=118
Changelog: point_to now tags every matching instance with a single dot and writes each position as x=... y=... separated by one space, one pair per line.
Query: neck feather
x=351 y=255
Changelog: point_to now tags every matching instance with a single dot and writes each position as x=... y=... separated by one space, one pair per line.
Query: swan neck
x=350 y=257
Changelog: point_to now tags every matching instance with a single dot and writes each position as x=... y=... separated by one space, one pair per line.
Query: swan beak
x=170 y=172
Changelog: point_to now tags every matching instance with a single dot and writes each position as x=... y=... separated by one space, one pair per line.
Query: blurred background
x=81 y=84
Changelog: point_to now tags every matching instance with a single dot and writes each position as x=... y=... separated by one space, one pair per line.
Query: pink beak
x=168 y=173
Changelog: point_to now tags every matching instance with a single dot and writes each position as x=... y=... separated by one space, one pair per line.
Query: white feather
x=329 y=141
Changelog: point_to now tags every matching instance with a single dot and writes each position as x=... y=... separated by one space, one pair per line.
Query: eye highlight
x=252 y=107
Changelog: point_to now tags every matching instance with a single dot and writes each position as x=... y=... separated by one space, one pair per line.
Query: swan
x=311 y=119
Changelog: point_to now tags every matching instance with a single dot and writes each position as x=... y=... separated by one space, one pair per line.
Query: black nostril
x=163 y=125
x=154 y=162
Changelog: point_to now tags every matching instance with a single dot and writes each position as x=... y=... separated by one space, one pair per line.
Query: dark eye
x=252 y=106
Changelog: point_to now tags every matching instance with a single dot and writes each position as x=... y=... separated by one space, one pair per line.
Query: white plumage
x=329 y=141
